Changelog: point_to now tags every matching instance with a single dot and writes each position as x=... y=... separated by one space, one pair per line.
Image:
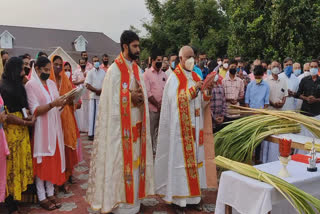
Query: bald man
x=180 y=164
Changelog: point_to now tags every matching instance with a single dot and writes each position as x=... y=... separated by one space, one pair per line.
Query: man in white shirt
x=292 y=83
x=94 y=83
x=278 y=88
x=277 y=99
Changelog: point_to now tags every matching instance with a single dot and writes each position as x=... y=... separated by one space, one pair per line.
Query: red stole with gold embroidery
x=191 y=165
x=127 y=134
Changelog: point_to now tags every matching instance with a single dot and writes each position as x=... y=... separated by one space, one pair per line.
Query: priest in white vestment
x=181 y=163
x=121 y=168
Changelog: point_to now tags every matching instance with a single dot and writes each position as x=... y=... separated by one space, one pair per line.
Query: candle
x=285 y=147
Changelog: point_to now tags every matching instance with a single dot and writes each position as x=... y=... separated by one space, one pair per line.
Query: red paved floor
x=75 y=203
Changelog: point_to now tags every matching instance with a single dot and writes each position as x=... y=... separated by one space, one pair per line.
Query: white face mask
x=219 y=63
x=68 y=74
x=189 y=64
x=275 y=70
x=225 y=65
x=216 y=78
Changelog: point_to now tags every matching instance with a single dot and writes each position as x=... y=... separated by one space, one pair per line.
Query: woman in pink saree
x=4 y=151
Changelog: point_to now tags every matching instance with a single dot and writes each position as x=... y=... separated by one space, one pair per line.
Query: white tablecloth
x=250 y=196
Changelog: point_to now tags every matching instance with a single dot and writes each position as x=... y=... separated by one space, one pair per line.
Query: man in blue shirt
x=257 y=94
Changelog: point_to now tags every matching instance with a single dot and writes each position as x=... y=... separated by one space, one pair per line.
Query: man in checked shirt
x=218 y=105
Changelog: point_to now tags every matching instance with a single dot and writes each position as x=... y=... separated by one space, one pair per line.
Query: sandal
x=55 y=201
x=47 y=205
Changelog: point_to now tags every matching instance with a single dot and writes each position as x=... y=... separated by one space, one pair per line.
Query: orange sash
x=191 y=164
x=127 y=133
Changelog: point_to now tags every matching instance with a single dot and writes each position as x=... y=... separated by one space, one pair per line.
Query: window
x=6 y=40
x=80 y=43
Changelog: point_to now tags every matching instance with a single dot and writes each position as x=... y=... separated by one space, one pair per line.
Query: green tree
x=181 y=22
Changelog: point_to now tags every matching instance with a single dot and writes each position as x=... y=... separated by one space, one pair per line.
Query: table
x=249 y=196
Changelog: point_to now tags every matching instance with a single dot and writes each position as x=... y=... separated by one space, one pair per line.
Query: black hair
x=225 y=57
x=105 y=55
x=95 y=57
x=23 y=57
x=316 y=61
x=287 y=59
x=42 y=62
x=3 y=52
x=56 y=57
x=233 y=61
x=12 y=69
x=82 y=52
x=212 y=65
x=155 y=53
x=128 y=37
x=202 y=53
x=11 y=87
x=171 y=55
x=67 y=63
x=27 y=55
x=42 y=54
x=258 y=70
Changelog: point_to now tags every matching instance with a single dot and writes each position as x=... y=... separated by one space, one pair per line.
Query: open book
x=76 y=93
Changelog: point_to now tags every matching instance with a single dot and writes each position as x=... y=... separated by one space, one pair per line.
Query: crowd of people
x=40 y=127
x=148 y=113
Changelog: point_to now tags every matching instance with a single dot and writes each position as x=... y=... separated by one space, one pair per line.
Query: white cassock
x=108 y=179
x=179 y=176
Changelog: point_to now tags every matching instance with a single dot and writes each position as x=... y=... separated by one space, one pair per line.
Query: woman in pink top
x=4 y=151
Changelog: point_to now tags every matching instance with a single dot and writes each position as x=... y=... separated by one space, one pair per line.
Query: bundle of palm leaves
x=239 y=139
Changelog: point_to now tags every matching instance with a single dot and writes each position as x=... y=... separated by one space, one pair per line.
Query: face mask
x=105 y=63
x=288 y=71
x=85 y=58
x=219 y=63
x=173 y=65
x=225 y=65
x=297 y=72
x=233 y=71
x=216 y=78
x=82 y=66
x=57 y=70
x=269 y=72
x=189 y=64
x=26 y=70
x=68 y=73
x=258 y=81
x=158 y=65
x=133 y=56
x=44 y=76
x=275 y=70
x=96 y=64
x=314 y=71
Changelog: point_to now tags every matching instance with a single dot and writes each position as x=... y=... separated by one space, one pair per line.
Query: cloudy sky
x=108 y=16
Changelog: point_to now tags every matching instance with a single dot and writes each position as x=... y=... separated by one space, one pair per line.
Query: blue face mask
x=314 y=71
x=288 y=71
x=269 y=72
x=173 y=65
x=96 y=64
x=297 y=72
